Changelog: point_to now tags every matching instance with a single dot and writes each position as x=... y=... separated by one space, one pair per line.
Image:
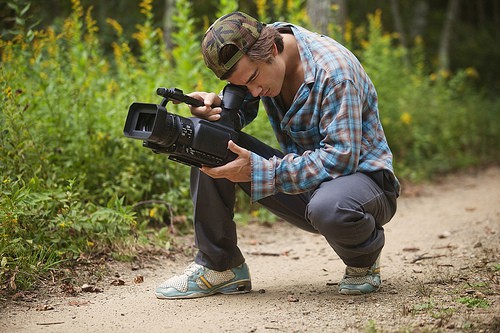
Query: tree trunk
x=168 y=23
x=319 y=12
x=342 y=16
x=481 y=13
x=398 y=22
x=447 y=34
x=419 y=21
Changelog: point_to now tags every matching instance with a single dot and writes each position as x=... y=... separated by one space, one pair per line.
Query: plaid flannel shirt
x=331 y=129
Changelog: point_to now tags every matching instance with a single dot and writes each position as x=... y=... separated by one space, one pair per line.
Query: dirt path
x=440 y=267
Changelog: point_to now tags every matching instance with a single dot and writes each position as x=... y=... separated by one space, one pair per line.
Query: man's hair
x=262 y=50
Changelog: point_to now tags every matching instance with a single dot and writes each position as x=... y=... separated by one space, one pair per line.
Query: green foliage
x=473 y=302
x=371 y=326
x=72 y=184
x=187 y=54
x=43 y=225
x=70 y=178
x=434 y=123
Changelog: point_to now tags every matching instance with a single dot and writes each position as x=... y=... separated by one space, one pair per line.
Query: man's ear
x=275 y=50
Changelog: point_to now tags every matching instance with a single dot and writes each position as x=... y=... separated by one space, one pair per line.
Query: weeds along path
x=440 y=266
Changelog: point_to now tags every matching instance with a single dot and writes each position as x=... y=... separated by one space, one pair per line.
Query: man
x=334 y=175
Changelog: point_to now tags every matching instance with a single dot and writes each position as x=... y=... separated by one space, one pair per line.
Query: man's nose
x=254 y=89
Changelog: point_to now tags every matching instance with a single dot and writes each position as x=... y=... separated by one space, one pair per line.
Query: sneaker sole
x=346 y=291
x=237 y=287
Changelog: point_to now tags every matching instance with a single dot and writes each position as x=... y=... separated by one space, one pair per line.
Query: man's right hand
x=211 y=111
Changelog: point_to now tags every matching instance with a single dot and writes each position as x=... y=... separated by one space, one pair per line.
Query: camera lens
x=145 y=122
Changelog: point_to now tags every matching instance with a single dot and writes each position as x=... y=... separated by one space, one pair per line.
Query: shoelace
x=193 y=267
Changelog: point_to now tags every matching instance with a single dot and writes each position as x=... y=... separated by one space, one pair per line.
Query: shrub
x=72 y=184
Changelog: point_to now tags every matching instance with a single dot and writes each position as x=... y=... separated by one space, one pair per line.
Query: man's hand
x=211 y=111
x=237 y=171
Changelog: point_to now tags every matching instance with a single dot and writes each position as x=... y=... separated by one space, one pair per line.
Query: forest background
x=73 y=187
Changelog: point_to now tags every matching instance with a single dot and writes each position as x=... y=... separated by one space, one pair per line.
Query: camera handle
x=177 y=95
x=233 y=97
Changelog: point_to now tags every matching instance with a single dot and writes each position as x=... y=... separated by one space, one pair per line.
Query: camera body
x=191 y=141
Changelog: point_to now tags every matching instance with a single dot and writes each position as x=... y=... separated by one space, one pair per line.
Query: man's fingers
x=235 y=148
x=206 y=112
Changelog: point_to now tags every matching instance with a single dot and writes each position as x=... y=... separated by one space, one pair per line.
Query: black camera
x=192 y=141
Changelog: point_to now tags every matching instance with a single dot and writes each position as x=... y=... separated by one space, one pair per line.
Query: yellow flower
x=77 y=7
x=8 y=92
x=112 y=87
x=68 y=28
x=472 y=73
x=140 y=36
x=115 y=25
x=7 y=52
x=261 y=7
x=444 y=73
x=405 y=118
x=91 y=23
x=146 y=7
x=153 y=212
x=117 y=51
x=348 y=32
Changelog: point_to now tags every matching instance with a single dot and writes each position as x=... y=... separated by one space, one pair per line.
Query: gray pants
x=348 y=211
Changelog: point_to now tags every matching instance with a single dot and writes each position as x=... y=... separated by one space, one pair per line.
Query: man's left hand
x=237 y=171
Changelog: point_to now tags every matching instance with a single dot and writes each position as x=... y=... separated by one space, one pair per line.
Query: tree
x=398 y=22
x=420 y=20
x=319 y=12
x=447 y=34
x=342 y=16
x=168 y=23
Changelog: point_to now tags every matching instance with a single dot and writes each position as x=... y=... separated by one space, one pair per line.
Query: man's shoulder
x=325 y=57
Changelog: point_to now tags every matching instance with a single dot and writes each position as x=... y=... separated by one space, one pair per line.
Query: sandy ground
x=440 y=270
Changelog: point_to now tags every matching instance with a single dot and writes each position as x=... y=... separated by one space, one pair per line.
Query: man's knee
x=341 y=222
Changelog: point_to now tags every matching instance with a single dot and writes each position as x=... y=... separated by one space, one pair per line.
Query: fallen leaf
x=117 y=282
x=139 y=279
x=68 y=288
x=90 y=288
x=25 y=296
x=44 y=307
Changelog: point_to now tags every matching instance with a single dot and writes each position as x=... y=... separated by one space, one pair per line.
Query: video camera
x=192 y=141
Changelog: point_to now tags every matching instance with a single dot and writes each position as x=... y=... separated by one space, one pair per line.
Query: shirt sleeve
x=337 y=142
